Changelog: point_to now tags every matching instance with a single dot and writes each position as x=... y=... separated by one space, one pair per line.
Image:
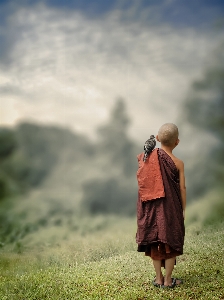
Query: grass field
x=103 y=263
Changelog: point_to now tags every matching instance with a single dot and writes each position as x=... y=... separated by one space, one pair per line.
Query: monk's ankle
x=159 y=280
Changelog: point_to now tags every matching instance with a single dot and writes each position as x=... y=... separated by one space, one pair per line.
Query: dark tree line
x=204 y=110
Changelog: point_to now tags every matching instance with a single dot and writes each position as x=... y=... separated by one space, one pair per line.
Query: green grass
x=104 y=264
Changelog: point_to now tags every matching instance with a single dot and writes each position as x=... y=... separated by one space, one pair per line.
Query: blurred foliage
x=204 y=109
x=207 y=210
x=8 y=145
x=205 y=104
x=109 y=196
x=216 y=214
x=7 y=142
x=42 y=147
x=29 y=153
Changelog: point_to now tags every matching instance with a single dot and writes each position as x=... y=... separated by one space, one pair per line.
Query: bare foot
x=159 y=280
x=172 y=282
x=168 y=282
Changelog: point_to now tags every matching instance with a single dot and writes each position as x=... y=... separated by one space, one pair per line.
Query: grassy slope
x=105 y=265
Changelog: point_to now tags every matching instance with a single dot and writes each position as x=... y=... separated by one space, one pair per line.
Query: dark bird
x=149 y=146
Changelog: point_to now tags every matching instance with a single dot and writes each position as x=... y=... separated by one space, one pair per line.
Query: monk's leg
x=157 y=266
x=169 y=265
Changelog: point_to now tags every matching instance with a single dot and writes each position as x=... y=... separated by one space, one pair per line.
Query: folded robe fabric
x=161 y=220
x=150 y=181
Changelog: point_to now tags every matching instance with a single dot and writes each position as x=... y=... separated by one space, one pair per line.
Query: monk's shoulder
x=179 y=163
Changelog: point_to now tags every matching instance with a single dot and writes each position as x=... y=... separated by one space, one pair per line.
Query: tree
x=114 y=190
x=114 y=141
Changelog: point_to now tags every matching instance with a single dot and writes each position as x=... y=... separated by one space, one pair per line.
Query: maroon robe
x=161 y=220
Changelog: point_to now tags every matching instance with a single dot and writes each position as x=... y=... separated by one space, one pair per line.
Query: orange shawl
x=150 y=181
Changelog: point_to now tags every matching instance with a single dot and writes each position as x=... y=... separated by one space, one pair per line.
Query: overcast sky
x=66 y=62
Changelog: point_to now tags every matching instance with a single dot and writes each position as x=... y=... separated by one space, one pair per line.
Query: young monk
x=161 y=205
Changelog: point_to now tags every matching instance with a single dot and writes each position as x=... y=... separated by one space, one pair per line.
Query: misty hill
x=62 y=178
x=68 y=168
x=36 y=151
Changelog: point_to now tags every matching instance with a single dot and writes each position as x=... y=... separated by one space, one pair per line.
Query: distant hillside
x=69 y=168
x=100 y=176
x=36 y=151
x=62 y=177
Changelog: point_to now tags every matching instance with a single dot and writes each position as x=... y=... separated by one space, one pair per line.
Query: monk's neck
x=167 y=149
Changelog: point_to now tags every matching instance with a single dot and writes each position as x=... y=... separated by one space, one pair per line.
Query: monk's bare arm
x=182 y=185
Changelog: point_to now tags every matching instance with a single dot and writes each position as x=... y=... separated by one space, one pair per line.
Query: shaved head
x=168 y=134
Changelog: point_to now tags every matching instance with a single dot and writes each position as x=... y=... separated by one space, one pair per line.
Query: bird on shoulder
x=149 y=146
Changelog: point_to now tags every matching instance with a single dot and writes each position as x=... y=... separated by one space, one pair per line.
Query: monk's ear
x=157 y=138
x=177 y=142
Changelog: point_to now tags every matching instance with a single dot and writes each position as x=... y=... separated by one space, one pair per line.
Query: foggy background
x=84 y=84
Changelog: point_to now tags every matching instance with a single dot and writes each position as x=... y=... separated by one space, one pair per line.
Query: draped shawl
x=161 y=219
